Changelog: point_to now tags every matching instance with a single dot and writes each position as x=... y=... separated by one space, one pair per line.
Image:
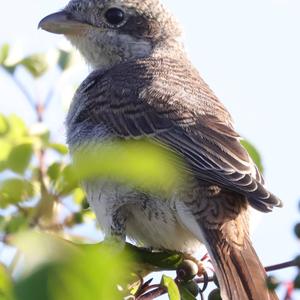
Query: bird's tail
x=240 y=274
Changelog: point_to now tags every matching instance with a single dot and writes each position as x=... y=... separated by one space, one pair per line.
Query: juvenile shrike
x=144 y=86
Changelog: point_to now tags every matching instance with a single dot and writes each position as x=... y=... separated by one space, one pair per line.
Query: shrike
x=144 y=87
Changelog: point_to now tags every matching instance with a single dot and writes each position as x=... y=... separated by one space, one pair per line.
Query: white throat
x=106 y=50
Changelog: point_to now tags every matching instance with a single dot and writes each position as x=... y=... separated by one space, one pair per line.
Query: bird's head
x=110 y=31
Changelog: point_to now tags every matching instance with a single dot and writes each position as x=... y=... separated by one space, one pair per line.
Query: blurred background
x=249 y=54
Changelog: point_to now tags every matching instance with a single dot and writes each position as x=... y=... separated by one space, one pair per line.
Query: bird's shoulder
x=163 y=86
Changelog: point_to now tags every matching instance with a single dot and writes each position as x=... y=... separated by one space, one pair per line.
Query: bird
x=143 y=86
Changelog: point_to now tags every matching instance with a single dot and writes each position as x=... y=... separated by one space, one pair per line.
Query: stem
x=42 y=170
x=153 y=294
x=147 y=288
x=204 y=280
x=25 y=92
x=48 y=98
x=21 y=209
x=40 y=110
x=284 y=265
x=276 y=267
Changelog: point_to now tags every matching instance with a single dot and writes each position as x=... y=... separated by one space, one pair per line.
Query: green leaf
x=297 y=230
x=68 y=272
x=64 y=60
x=78 y=218
x=171 y=286
x=59 y=148
x=189 y=290
x=79 y=196
x=272 y=283
x=297 y=282
x=54 y=171
x=10 y=69
x=140 y=163
x=16 y=224
x=2 y=223
x=67 y=182
x=18 y=128
x=186 y=294
x=159 y=260
x=5 y=284
x=36 y=285
x=4 y=52
x=253 y=152
x=40 y=131
x=4 y=125
x=215 y=295
x=88 y=214
x=36 y=65
x=5 y=148
x=15 y=190
x=20 y=157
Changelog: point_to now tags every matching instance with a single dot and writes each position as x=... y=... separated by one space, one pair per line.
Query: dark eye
x=114 y=16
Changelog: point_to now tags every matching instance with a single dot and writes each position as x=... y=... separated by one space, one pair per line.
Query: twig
x=153 y=294
x=48 y=98
x=284 y=265
x=25 y=92
x=142 y=285
x=40 y=110
x=21 y=209
x=147 y=288
x=276 y=267
x=204 y=280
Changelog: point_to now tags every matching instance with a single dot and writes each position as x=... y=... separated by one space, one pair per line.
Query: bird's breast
x=150 y=220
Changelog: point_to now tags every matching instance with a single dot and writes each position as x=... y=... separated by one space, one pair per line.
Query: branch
x=153 y=294
x=25 y=92
x=49 y=98
x=284 y=265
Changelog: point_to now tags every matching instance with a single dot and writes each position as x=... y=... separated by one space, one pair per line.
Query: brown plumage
x=166 y=100
x=143 y=86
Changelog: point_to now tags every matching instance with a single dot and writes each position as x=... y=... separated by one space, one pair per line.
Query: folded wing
x=171 y=104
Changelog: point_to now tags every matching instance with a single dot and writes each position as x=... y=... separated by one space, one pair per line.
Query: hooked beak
x=63 y=23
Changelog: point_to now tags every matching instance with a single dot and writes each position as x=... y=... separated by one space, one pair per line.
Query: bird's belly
x=159 y=227
x=150 y=220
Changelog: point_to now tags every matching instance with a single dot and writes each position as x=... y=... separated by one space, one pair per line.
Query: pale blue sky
x=249 y=53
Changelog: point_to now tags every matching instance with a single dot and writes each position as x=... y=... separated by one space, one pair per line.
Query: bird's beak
x=63 y=23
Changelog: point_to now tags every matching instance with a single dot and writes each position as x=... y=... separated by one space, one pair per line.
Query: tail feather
x=239 y=271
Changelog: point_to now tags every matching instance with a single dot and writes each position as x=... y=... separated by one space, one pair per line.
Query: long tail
x=241 y=275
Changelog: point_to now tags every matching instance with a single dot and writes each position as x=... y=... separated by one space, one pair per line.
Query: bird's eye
x=114 y=16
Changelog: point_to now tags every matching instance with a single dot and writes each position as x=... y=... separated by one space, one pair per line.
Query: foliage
x=71 y=273
x=254 y=154
x=171 y=286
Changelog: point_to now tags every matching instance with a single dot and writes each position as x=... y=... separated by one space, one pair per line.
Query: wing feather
x=169 y=102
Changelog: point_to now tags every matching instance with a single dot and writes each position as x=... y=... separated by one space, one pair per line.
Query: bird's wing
x=171 y=104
